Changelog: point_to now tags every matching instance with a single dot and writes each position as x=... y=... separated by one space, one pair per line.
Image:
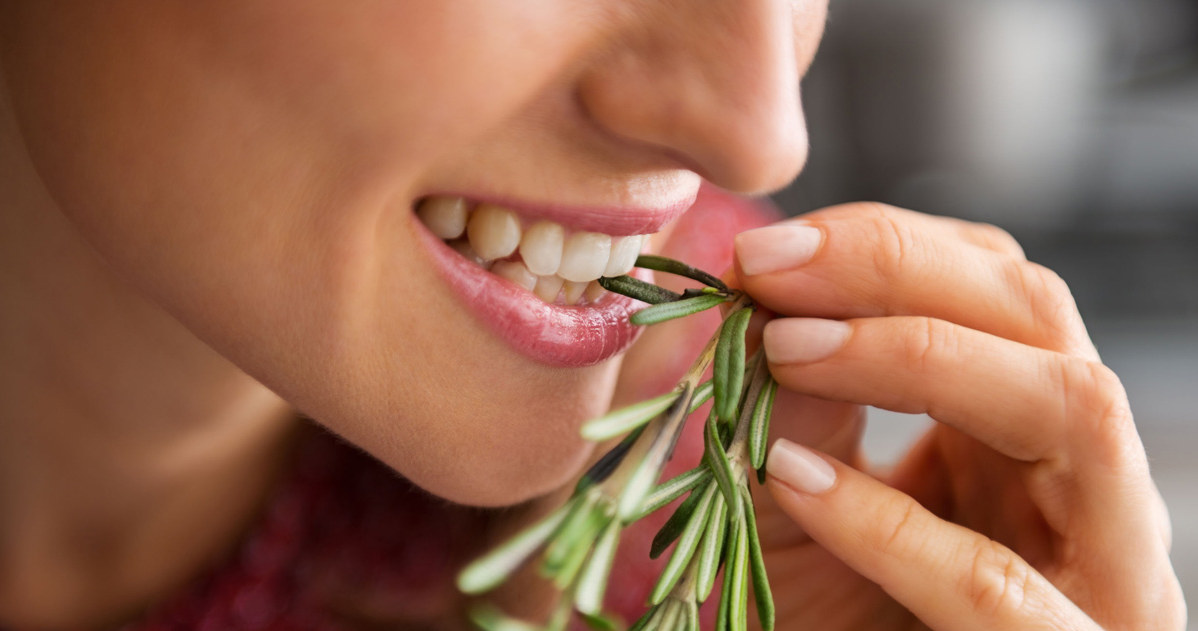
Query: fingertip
x=776 y=248
x=804 y=340
x=799 y=468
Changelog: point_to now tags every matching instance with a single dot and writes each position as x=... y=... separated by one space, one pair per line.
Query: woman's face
x=256 y=167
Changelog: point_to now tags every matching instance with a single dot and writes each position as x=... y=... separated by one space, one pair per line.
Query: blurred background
x=1073 y=124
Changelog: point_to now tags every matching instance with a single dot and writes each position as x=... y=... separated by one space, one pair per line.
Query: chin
x=478 y=467
x=509 y=433
x=505 y=479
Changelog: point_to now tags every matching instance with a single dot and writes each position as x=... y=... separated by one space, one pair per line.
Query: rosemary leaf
x=638 y=289
x=644 y=621
x=645 y=475
x=571 y=565
x=710 y=549
x=702 y=393
x=759 y=425
x=489 y=571
x=721 y=467
x=588 y=596
x=692 y=615
x=672 y=529
x=601 y=622
x=627 y=418
x=729 y=364
x=678 y=268
x=607 y=463
x=722 y=614
x=669 y=617
x=672 y=489
x=761 y=582
x=491 y=619
x=677 y=309
x=560 y=618
x=688 y=541
x=736 y=581
x=573 y=529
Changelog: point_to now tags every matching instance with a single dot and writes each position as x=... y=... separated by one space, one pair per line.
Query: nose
x=713 y=84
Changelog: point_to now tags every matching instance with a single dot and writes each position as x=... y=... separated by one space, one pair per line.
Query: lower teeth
x=551 y=289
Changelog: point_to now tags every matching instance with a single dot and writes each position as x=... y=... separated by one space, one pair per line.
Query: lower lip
x=555 y=335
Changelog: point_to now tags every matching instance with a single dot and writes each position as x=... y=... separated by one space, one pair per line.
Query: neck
x=119 y=430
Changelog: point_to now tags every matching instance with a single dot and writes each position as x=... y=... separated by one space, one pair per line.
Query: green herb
x=713 y=527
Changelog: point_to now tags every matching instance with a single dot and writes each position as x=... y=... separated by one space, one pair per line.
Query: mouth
x=530 y=276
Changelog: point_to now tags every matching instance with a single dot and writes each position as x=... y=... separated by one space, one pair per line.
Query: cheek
x=233 y=160
x=413 y=80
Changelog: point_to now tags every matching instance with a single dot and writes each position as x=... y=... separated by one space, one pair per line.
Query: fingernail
x=803 y=340
x=800 y=468
x=778 y=247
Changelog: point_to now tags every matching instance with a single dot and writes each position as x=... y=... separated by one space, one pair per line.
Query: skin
x=208 y=226
x=1029 y=505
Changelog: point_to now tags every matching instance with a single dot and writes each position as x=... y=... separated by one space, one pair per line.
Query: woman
x=219 y=213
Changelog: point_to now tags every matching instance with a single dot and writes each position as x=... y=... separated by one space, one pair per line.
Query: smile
x=556 y=264
x=529 y=275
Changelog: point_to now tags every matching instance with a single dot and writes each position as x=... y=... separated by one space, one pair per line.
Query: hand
x=1028 y=505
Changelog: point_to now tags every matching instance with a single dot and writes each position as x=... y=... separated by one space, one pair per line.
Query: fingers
x=1066 y=417
x=1027 y=403
x=867 y=260
x=948 y=576
x=983 y=235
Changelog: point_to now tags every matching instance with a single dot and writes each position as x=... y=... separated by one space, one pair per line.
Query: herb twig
x=713 y=527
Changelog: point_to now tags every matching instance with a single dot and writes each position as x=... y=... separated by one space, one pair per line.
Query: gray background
x=1073 y=124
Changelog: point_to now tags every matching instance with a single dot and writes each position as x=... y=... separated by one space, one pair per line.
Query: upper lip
x=615 y=220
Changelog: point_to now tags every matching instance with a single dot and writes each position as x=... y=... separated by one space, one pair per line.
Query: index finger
x=885 y=262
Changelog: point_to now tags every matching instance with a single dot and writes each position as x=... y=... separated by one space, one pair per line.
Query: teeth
x=462 y=247
x=541 y=247
x=516 y=272
x=573 y=291
x=548 y=287
x=444 y=216
x=494 y=232
x=594 y=291
x=552 y=263
x=584 y=256
x=624 y=251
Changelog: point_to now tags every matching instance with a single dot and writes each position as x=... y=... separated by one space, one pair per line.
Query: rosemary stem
x=656 y=444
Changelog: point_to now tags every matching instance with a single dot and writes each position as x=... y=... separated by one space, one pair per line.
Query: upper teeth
x=549 y=254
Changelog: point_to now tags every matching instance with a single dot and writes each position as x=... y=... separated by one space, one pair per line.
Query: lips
x=531 y=280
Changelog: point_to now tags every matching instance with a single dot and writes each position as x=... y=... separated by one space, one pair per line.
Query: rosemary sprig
x=713 y=527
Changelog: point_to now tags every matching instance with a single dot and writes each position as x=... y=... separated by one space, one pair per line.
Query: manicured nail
x=803 y=340
x=778 y=247
x=800 y=468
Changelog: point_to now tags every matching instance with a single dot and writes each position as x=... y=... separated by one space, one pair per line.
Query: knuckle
x=896 y=520
x=1172 y=609
x=928 y=340
x=998 y=581
x=896 y=243
x=1097 y=410
x=1050 y=301
x=997 y=239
